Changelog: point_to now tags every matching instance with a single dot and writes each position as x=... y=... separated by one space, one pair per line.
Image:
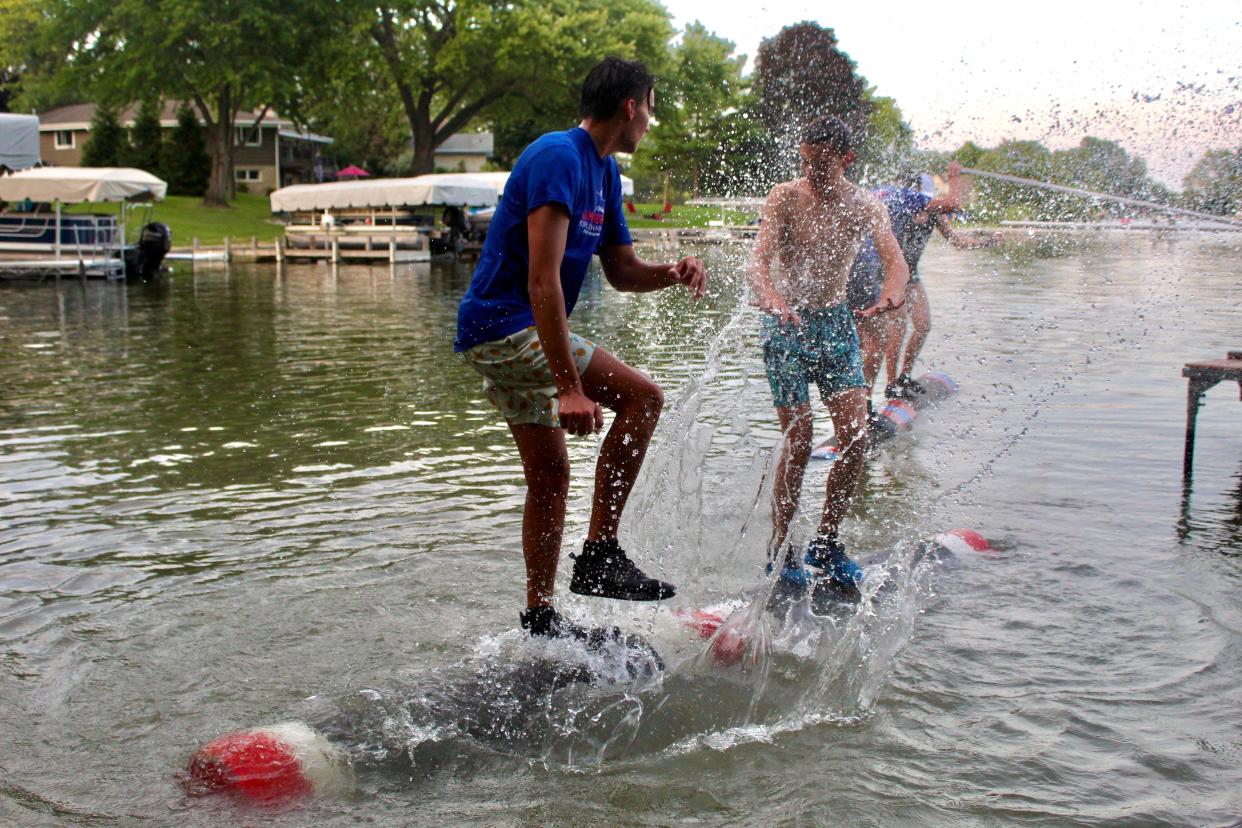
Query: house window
x=65 y=139
x=244 y=138
x=246 y=174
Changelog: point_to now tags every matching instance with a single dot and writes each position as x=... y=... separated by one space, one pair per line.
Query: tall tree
x=694 y=101
x=222 y=56
x=185 y=163
x=106 y=143
x=800 y=74
x=19 y=50
x=454 y=62
x=146 y=142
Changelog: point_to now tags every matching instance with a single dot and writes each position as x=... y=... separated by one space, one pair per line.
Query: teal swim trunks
x=822 y=348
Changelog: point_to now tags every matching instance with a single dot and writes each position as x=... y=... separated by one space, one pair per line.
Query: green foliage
x=695 y=102
x=220 y=55
x=1214 y=185
x=517 y=64
x=185 y=164
x=1095 y=164
x=146 y=144
x=20 y=53
x=105 y=146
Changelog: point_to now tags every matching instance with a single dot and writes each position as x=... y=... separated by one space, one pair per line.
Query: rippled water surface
x=242 y=497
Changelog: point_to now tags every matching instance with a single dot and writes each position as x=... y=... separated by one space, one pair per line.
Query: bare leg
x=920 y=323
x=546 y=466
x=896 y=337
x=849 y=421
x=874 y=336
x=637 y=401
x=797 y=426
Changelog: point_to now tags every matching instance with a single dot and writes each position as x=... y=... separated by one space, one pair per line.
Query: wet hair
x=910 y=178
x=611 y=83
x=830 y=130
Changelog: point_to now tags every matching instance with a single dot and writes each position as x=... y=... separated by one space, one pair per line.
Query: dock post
x=392 y=249
x=228 y=248
x=280 y=250
x=336 y=251
x=1194 y=399
x=193 y=251
x=254 y=246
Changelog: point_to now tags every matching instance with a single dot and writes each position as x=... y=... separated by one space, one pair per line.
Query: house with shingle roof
x=274 y=155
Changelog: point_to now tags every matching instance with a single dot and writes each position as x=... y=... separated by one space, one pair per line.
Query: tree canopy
x=516 y=63
x=695 y=100
x=1214 y=185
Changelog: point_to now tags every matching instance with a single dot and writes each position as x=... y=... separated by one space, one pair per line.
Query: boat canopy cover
x=72 y=185
x=19 y=141
x=444 y=190
x=498 y=179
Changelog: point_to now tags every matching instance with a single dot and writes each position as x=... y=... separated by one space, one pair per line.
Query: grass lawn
x=250 y=215
x=683 y=216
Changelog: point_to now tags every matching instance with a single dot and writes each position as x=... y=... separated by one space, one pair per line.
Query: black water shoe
x=604 y=570
x=905 y=388
x=546 y=622
x=639 y=658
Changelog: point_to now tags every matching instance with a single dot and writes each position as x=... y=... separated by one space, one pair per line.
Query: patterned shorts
x=822 y=348
x=517 y=379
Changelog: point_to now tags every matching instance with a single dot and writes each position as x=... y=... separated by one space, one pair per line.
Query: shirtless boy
x=814 y=226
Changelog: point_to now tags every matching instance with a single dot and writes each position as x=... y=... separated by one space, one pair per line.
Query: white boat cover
x=444 y=190
x=19 y=141
x=498 y=179
x=72 y=185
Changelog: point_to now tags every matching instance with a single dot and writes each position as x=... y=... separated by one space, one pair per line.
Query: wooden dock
x=1202 y=376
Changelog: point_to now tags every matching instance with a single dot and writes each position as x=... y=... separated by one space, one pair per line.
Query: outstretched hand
x=691 y=273
x=888 y=301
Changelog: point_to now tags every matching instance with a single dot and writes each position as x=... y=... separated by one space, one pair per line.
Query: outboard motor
x=153 y=245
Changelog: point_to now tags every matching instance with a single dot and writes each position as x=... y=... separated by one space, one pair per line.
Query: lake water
x=242 y=497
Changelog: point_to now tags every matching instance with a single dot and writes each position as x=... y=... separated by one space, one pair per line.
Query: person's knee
x=647 y=402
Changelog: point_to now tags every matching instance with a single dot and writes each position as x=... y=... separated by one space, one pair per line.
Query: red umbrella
x=352 y=172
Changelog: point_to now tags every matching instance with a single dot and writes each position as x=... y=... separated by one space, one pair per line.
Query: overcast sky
x=1162 y=78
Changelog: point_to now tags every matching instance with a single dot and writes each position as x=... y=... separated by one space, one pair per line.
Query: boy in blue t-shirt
x=561 y=206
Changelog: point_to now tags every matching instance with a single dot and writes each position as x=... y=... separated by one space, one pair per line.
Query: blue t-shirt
x=558 y=168
x=867 y=275
x=902 y=205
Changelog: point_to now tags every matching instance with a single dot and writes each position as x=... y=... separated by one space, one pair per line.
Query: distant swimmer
x=561 y=206
x=907 y=204
x=814 y=226
x=915 y=211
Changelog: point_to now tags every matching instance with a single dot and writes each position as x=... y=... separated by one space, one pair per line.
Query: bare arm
x=759 y=271
x=547 y=228
x=626 y=272
x=952 y=201
x=896 y=273
x=964 y=241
